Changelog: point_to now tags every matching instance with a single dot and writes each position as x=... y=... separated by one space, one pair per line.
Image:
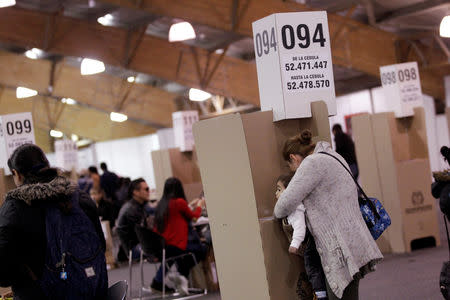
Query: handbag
x=444 y=278
x=373 y=212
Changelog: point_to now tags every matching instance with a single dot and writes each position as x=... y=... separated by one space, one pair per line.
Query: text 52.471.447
x=308 y=84
x=306 y=65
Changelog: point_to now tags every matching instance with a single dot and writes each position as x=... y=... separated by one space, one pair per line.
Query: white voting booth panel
x=66 y=153
x=401 y=85
x=182 y=129
x=15 y=130
x=293 y=60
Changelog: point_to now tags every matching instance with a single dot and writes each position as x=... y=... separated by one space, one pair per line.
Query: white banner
x=294 y=64
x=401 y=85
x=182 y=129
x=17 y=129
x=66 y=154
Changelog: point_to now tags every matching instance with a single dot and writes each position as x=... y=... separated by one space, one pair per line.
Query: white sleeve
x=297 y=220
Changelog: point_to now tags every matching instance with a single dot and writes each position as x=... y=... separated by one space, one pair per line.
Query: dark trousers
x=184 y=264
x=313 y=265
x=350 y=292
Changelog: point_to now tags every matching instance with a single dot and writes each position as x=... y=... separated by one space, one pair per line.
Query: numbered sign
x=293 y=60
x=401 y=86
x=66 y=154
x=17 y=129
x=182 y=129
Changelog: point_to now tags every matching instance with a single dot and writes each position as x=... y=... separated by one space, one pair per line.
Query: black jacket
x=345 y=147
x=131 y=214
x=22 y=232
x=440 y=189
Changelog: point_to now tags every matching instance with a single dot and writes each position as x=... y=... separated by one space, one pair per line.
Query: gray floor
x=398 y=277
x=408 y=276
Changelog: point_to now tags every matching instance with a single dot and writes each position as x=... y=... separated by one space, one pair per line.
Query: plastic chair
x=153 y=248
x=118 y=291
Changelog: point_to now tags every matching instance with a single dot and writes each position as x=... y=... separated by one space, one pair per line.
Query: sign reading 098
x=393 y=77
x=290 y=37
x=18 y=127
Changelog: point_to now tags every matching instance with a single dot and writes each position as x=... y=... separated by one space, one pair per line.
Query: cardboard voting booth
x=393 y=161
x=174 y=163
x=240 y=160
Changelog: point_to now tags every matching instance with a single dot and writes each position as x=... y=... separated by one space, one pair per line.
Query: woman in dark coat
x=22 y=219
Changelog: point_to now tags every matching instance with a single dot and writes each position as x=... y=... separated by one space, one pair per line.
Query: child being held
x=301 y=246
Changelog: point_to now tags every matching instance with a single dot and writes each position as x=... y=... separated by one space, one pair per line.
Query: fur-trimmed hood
x=442 y=176
x=59 y=189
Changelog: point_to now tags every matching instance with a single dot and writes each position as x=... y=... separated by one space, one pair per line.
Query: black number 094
x=18 y=127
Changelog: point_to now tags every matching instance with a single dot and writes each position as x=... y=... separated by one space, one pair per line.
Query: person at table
x=172 y=222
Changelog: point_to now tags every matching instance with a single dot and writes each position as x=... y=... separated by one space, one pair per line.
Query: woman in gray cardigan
x=329 y=194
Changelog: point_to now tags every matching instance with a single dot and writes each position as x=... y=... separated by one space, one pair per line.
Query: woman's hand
x=201 y=202
x=293 y=250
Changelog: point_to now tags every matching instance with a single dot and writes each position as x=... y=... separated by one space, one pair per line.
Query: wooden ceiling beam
x=82 y=121
x=364 y=48
x=102 y=91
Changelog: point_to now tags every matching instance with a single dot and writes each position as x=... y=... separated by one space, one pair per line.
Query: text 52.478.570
x=308 y=84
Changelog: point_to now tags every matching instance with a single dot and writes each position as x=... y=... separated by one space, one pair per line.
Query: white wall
x=129 y=157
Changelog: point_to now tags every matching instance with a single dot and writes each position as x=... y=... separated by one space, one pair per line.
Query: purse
x=444 y=278
x=373 y=212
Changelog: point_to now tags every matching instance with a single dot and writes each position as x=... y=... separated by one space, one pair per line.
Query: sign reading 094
x=291 y=36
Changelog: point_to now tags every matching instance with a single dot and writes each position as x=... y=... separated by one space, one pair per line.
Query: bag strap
x=448 y=238
x=366 y=198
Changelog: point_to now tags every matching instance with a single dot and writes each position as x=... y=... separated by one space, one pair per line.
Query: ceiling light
x=91 y=66
x=118 y=117
x=69 y=101
x=131 y=79
x=83 y=142
x=6 y=3
x=56 y=133
x=198 y=95
x=444 y=29
x=23 y=92
x=106 y=19
x=30 y=54
x=181 y=32
x=74 y=137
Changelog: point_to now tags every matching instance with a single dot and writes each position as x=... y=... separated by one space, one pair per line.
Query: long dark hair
x=30 y=161
x=172 y=189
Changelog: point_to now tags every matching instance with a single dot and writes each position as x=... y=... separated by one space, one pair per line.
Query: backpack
x=75 y=265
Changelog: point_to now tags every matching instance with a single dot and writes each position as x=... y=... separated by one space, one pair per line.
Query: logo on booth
x=417 y=198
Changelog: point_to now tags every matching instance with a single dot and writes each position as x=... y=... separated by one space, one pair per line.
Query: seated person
x=313 y=264
x=172 y=222
x=131 y=214
x=105 y=207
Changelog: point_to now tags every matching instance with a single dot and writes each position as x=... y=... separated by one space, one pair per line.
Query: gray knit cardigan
x=332 y=213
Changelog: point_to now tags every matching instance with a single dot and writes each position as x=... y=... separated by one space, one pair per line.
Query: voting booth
x=394 y=167
x=240 y=159
x=240 y=155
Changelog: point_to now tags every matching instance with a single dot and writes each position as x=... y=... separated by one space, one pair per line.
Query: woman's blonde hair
x=300 y=144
